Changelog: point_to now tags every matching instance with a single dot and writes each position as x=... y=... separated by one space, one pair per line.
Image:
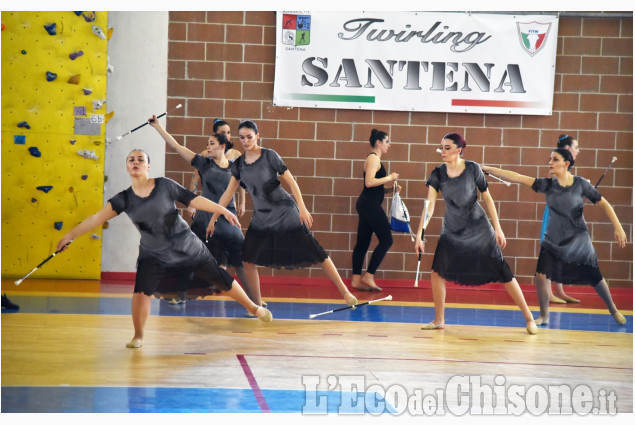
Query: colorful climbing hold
x=109 y=115
x=23 y=52
x=98 y=32
x=44 y=189
x=50 y=28
x=50 y=76
x=97 y=142
x=85 y=176
x=95 y=236
x=74 y=79
x=71 y=189
x=87 y=91
x=72 y=141
x=58 y=225
x=19 y=139
x=78 y=13
x=90 y=17
x=35 y=152
x=97 y=104
x=75 y=55
x=88 y=154
x=33 y=200
x=110 y=31
x=2 y=27
x=24 y=124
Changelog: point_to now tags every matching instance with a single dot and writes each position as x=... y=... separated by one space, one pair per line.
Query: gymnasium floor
x=64 y=351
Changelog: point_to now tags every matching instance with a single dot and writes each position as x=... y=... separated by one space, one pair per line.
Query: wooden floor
x=238 y=364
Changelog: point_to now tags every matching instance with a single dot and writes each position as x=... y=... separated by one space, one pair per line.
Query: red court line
x=262 y=403
x=442 y=360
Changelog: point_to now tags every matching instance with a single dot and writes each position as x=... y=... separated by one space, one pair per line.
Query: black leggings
x=372 y=218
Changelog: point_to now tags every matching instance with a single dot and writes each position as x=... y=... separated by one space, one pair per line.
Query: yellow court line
x=331 y=301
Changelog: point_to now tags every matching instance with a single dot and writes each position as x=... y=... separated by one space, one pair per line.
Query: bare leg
x=140 y=313
x=248 y=275
x=332 y=273
x=561 y=295
x=543 y=288
x=438 y=294
x=237 y=293
x=513 y=289
x=602 y=290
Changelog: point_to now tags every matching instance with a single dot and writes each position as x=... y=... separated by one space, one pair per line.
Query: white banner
x=416 y=61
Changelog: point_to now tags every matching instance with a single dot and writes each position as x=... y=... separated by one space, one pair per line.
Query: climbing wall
x=54 y=67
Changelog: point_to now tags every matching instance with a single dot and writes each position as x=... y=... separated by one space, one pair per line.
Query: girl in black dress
x=469 y=248
x=171 y=258
x=226 y=245
x=566 y=252
x=372 y=218
x=278 y=235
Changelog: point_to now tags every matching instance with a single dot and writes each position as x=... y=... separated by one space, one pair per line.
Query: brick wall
x=221 y=65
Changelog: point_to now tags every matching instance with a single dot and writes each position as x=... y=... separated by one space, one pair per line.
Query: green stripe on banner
x=331 y=98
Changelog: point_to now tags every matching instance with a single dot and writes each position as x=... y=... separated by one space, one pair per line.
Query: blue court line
x=184 y=400
x=601 y=322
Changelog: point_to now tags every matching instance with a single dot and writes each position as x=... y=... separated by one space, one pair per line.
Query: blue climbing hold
x=19 y=139
x=85 y=176
x=44 y=189
x=35 y=152
x=23 y=52
x=59 y=224
x=50 y=76
x=33 y=200
x=50 y=28
x=75 y=55
x=24 y=124
x=87 y=91
x=79 y=13
x=73 y=141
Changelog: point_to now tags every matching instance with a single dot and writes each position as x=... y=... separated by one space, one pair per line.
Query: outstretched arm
x=620 y=235
x=223 y=202
x=305 y=216
x=423 y=223
x=185 y=153
x=95 y=220
x=491 y=211
x=204 y=204
x=510 y=176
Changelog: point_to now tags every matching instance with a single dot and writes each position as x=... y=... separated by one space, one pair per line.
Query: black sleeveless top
x=375 y=193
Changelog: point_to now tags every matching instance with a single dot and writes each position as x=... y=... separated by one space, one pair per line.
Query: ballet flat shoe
x=540 y=321
x=572 y=300
x=432 y=326
x=264 y=314
x=134 y=343
x=532 y=329
x=555 y=300
x=619 y=318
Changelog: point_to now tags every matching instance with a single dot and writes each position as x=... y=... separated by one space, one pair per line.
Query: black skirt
x=293 y=249
x=469 y=269
x=194 y=281
x=566 y=273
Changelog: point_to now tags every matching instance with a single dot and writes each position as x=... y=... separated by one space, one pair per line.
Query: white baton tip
x=17 y=282
x=178 y=106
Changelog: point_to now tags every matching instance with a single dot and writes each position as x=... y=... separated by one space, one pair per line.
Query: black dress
x=172 y=260
x=226 y=245
x=467 y=252
x=275 y=238
x=566 y=252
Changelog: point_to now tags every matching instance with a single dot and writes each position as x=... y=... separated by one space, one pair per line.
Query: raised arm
x=185 y=153
x=510 y=176
x=493 y=215
x=620 y=235
x=423 y=222
x=305 y=216
x=95 y=220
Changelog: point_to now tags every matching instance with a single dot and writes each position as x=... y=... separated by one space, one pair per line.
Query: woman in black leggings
x=372 y=217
